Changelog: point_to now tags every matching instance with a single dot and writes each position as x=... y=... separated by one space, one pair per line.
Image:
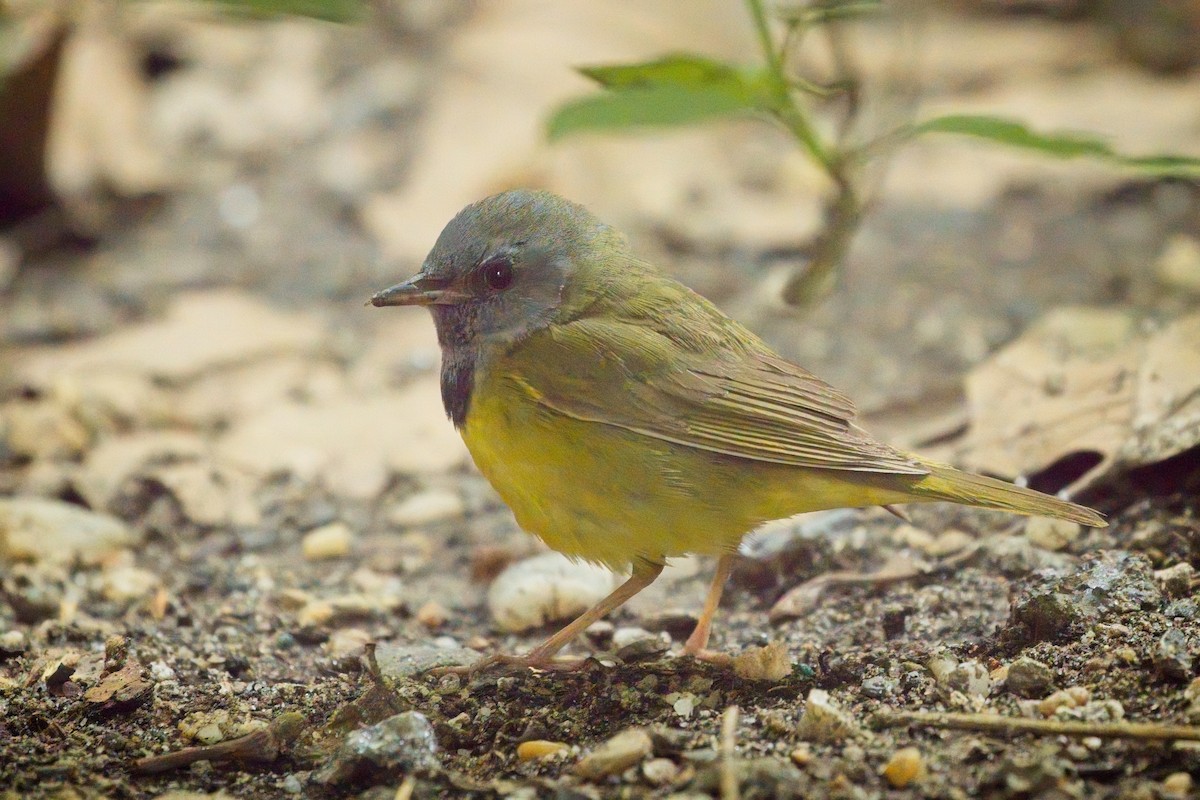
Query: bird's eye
x=498 y=273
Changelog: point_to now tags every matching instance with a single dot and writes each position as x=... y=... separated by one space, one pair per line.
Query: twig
x=260 y=747
x=1011 y=726
x=730 y=790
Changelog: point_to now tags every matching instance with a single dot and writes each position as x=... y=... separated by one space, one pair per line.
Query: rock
x=328 y=541
x=660 y=771
x=33 y=529
x=1029 y=678
x=1173 y=656
x=822 y=721
x=633 y=644
x=949 y=542
x=537 y=749
x=1051 y=534
x=434 y=505
x=1177 y=785
x=347 y=643
x=127 y=583
x=1071 y=697
x=546 y=588
x=1178 y=265
x=1104 y=586
x=432 y=614
x=878 y=687
x=971 y=678
x=13 y=643
x=404 y=661
x=1176 y=581
x=400 y=744
x=941 y=665
x=625 y=750
x=904 y=767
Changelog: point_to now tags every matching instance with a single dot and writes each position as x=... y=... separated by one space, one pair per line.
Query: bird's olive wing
x=738 y=400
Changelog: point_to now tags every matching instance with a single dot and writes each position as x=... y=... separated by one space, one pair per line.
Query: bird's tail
x=955 y=486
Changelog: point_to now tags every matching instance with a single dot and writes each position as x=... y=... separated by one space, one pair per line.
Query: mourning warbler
x=624 y=419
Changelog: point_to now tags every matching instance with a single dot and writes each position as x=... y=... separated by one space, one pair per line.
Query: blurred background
x=196 y=199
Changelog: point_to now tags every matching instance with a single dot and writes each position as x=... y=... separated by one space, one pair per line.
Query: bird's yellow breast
x=608 y=495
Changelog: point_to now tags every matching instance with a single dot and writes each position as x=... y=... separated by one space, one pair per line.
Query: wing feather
x=736 y=398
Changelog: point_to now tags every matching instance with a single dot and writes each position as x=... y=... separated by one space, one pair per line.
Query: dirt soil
x=221 y=477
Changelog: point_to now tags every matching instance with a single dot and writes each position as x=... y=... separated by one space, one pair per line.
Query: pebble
x=801 y=756
x=941 y=665
x=1192 y=695
x=949 y=542
x=684 y=704
x=537 y=749
x=403 y=742
x=328 y=541
x=404 y=661
x=878 y=687
x=822 y=721
x=632 y=644
x=1173 y=655
x=1178 y=265
x=35 y=529
x=1071 y=697
x=1051 y=534
x=971 y=678
x=427 y=507
x=625 y=750
x=346 y=642
x=1177 y=784
x=546 y=588
x=1029 y=678
x=432 y=614
x=128 y=583
x=904 y=767
x=13 y=643
x=660 y=771
x=1176 y=581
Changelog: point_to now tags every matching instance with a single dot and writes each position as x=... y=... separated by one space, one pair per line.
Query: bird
x=625 y=420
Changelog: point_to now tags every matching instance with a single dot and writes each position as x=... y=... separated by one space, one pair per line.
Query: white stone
x=52 y=531
x=545 y=588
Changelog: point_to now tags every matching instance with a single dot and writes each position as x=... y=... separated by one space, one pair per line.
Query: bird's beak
x=419 y=290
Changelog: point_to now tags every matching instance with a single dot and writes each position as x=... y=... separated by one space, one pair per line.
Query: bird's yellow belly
x=611 y=496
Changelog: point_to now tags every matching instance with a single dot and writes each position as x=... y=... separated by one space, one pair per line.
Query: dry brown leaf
x=1083 y=380
x=201 y=331
x=351 y=443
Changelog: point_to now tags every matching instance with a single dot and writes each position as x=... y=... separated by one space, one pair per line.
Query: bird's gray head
x=500 y=268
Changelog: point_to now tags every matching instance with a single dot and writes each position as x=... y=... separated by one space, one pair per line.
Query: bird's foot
x=714 y=657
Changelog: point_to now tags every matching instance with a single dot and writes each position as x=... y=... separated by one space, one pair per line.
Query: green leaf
x=675 y=90
x=655 y=106
x=330 y=10
x=1057 y=145
x=677 y=69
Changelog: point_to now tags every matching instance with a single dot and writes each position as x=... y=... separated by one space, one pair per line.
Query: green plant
x=686 y=88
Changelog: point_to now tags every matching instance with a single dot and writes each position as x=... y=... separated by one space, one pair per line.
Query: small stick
x=260 y=747
x=730 y=790
x=995 y=723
